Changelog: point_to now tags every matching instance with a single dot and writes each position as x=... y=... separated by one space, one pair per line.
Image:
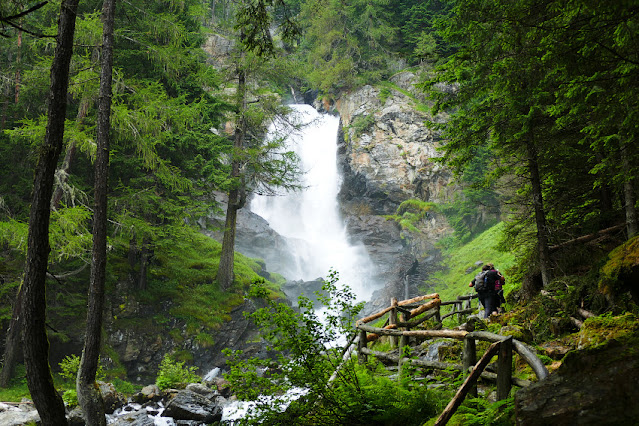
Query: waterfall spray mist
x=309 y=218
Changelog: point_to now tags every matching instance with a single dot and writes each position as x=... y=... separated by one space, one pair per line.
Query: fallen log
x=586 y=238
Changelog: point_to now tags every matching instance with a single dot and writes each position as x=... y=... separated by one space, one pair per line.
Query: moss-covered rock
x=620 y=274
x=593 y=386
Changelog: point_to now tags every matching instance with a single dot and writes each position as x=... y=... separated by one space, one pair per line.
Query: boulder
x=148 y=393
x=112 y=398
x=14 y=416
x=594 y=386
x=135 y=418
x=188 y=405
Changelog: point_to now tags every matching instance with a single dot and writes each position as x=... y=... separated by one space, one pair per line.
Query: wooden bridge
x=404 y=316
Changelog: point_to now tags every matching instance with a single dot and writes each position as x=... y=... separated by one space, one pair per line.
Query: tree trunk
x=629 y=194
x=540 y=214
x=36 y=346
x=225 y=273
x=89 y=397
x=12 y=343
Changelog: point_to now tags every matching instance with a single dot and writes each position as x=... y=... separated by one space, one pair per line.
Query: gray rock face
x=593 y=387
x=188 y=405
x=385 y=163
x=254 y=238
x=294 y=289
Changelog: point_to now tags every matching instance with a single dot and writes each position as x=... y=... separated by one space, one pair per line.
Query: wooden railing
x=401 y=328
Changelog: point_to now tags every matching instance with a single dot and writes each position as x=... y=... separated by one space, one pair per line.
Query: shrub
x=174 y=374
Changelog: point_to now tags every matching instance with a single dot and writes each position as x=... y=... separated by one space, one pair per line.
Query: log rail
x=430 y=305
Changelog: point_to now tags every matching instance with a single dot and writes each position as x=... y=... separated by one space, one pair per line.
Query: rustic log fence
x=400 y=330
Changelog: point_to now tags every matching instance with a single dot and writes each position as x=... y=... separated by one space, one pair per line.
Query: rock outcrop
x=594 y=386
x=385 y=153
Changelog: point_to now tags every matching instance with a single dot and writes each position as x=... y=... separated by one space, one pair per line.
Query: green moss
x=599 y=330
x=620 y=264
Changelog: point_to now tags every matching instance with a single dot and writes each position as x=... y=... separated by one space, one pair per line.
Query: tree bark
x=12 y=343
x=225 y=273
x=36 y=346
x=89 y=396
x=540 y=214
x=629 y=194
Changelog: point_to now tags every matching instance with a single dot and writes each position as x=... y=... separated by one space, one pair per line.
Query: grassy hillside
x=461 y=264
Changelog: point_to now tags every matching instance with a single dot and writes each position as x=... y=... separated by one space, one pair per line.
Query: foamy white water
x=309 y=219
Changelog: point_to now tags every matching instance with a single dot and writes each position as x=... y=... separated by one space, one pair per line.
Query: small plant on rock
x=174 y=374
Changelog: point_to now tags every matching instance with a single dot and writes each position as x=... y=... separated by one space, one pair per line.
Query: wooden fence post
x=504 y=368
x=361 y=356
x=392 y=320
x=469 y=356
x=463 y=390
x=403 y=341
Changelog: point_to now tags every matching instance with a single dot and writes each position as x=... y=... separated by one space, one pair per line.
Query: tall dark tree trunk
x=225 y=273
x=36 y=346
x=540 y=214
x=629 y=194
x=89 y=396
x=12 y=343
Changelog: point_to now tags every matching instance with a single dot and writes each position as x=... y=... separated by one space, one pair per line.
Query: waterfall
x=309 y=218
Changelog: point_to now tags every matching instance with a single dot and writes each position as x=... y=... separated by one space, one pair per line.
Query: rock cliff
x=386 y=151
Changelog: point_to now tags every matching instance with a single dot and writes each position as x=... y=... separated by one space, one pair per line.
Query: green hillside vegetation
x=460 y=264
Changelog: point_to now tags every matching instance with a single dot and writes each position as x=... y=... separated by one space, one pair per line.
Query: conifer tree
x=36 y=346
x=89 y=396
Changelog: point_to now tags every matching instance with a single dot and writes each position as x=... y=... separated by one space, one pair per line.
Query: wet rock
x=148 y=393
x=135 y=418
x=555 y=350
x=187 y=405
x=11 y=415
x=294 y=289
x=112 y=398
x=203 y=390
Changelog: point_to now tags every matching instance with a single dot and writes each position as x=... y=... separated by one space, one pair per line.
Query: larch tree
x=89 y=396
x=36 y=346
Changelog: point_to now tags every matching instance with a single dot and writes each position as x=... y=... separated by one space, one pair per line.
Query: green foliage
x=69 y=369
x=173 y=374
x=411 y=212
x=18 y=388
x=361 y=124
x=480 y=412
x=308 y=353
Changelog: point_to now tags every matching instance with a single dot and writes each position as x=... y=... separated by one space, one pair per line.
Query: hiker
x=484 y=284
x=499 y=289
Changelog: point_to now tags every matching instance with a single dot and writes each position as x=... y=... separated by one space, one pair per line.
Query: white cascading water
x=309 y=218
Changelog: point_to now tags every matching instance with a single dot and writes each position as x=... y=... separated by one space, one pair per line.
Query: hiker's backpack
x=492 y=279
x=480 y=281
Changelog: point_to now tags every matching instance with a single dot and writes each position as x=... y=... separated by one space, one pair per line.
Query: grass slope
x=458 y=267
